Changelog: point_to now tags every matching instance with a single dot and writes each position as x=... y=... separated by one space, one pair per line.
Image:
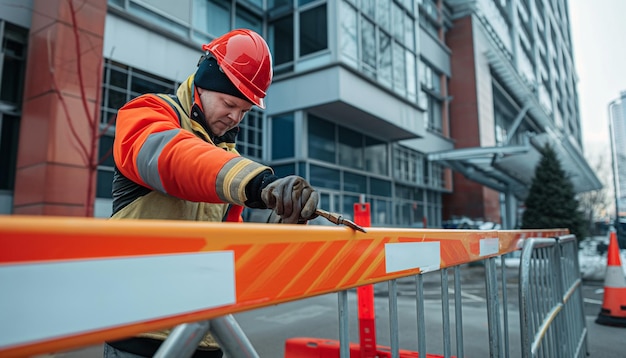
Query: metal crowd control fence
x=552 y=318
x=64 y=282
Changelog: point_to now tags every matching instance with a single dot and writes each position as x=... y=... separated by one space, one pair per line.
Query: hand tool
x=337 y=219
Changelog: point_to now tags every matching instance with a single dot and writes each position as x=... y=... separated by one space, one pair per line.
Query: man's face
x=223 y=112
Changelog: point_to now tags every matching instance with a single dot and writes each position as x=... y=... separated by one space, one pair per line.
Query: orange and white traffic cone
x=613 y=312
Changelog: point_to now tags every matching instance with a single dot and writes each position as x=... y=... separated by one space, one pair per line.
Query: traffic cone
x=613 y=312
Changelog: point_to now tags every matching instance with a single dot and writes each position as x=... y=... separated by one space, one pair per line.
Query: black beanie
x=210 y=77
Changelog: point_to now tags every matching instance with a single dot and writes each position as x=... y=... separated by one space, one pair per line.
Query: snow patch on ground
x=593 y=264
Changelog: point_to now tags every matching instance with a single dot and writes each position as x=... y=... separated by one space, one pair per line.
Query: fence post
x=365 y=294
x=493 y=309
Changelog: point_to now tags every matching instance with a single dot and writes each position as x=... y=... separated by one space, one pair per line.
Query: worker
x=175 y=157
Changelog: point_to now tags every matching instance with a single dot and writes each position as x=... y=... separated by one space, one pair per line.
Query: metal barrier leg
x=493 y=308
x=505 y=308
x=344 y=334
x=458 y=312
x=183 y=340
x=393 y=319
x=582 y=346
x=445 y=313
x=421 y=320
x=231 y=338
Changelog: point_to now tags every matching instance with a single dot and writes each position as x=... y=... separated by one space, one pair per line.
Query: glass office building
x=617 y=123
x=373 y=99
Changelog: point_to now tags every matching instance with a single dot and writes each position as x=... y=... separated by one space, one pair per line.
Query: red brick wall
x=469 y=198
x=52 y=175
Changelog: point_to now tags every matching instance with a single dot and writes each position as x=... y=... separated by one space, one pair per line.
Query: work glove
x=292 y=198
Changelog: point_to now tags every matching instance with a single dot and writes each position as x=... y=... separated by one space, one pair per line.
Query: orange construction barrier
x=63 y=279
x=613 y=312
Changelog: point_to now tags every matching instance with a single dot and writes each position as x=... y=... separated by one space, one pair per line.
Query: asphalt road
x=317 y=317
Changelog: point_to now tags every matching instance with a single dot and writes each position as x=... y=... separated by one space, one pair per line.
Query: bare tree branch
x=82 y=150
x=79 y=69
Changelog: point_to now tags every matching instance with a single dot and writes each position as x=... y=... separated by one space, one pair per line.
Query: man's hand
x=292 y=198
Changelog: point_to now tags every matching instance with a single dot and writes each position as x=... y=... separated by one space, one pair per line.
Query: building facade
x=513 y=86
x=428 y=109
x=617 y=123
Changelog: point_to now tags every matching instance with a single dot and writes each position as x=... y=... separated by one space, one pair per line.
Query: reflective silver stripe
x=148 y=158
x=180 y=289
x=233 y=177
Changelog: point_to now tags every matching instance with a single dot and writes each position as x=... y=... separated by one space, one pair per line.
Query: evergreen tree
x=551 y=201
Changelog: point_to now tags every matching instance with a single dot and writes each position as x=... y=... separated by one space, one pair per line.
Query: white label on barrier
x=411 y=255
x=46 y=300
x=489 y=246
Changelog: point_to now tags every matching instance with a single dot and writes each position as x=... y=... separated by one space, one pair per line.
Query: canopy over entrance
x=510 y=169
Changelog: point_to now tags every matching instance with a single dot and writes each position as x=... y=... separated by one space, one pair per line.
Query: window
x=385 y=43
x=105 y=167
x=13 y=60
x=408 y=165
x=431 y=86
x=324 y=177
x=368 y=47
x=348 y=33
x=399 y=69
x=369 y=8
x=380 y=187
x=313 y=30
x=381 y=211
x=375 y=156
x=348 y=202
x=283 y=136
x=382 y=15
x=350 y=148
x=384 y=59
x=437 y=177
x=354 y=183
x=429 y=17
x=397 y=19
x=409 y=205
x=211 y=16
x=123 y=83
x=308 y=20
x=321 y=139
x=411 y=77
x=250 y=137
x=9 y=135
x=435 y=116
x=247 y=20
x=281 y=40
x=431 y=79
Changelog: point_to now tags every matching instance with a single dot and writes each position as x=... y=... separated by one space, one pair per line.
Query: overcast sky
x=599 y=39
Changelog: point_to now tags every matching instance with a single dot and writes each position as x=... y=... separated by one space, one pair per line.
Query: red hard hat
x=245 y=58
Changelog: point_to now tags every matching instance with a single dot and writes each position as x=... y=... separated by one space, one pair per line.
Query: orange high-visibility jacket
x=174 y=157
